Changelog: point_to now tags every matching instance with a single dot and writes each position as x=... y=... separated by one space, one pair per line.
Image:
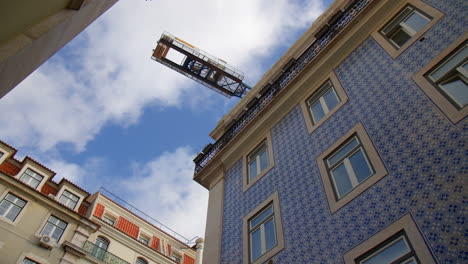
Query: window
x=31 y=178
x=143 y=239
x=263 y=233
x=177 y=259
x=141 y=261
x=450 y=77
x=257 y=162
x=54 y=228
x=444 y=80
x=102 y=243
x=69 y=199
x=396 y=249
x=28 y=261
x=323 y=101
x=406 y=25
x=100 y=250
x=11 y=206
x=400 y=242
x=350 y=166
x=109 y=219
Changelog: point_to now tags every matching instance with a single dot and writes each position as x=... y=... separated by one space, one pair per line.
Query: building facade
x=352 y=148
x=32 y=31
x=45 y=222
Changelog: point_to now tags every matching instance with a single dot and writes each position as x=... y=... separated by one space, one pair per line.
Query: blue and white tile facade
x=425 y=154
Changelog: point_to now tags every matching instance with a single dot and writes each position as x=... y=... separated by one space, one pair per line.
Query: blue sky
x=102 y=113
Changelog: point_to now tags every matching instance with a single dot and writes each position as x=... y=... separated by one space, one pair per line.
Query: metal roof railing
x=147 y=218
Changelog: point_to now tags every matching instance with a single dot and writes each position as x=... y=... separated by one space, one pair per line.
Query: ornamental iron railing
x=337 y=23
x=101 y=254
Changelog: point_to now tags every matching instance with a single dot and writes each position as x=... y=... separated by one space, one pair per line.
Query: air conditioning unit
x=46 y=242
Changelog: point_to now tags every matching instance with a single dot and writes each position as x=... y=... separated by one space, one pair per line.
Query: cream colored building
x=32 y=31
x=42 y=221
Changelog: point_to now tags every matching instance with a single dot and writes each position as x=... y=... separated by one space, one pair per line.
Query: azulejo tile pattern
x=426 y=157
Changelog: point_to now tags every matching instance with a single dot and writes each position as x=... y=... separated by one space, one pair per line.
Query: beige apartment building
x=48 y=222
x=32 y=31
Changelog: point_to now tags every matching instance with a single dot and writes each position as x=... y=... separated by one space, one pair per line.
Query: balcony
x=103 y=255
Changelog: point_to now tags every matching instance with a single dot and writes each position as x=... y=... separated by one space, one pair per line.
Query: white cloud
x=70 y=171
x=164 y=189
x=107 y=75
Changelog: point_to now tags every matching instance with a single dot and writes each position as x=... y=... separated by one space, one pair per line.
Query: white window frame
x=11 y=205
x=434 y=93
x=399 y=22
x=349 y=168
x=317 y=90
x=30 y=176
x=420 y=6
x=405 y=224
x=261 y=226
x=410 y=254
x=272 y=201
x=41 y=233
x=373 y=159
x=264 y=142
x=140 y=260
x=68 y=200
x=108 y=218
x=143 y=237
x=29 y=261
x=255 y=157
x=457 y=71
x=319 y=97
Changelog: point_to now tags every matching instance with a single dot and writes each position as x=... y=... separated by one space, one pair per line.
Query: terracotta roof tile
x=9 y=168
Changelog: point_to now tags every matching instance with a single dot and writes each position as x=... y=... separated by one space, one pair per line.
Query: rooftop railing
x=102 y=254
x=148 y=218
x=323 y=37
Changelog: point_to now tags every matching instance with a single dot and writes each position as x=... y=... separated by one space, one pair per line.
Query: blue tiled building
x=353 y=148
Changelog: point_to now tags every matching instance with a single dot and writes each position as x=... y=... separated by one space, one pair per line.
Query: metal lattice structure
x=328 y=34
x=200 y=66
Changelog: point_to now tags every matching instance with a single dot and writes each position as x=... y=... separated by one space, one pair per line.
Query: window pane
x=342 y=153
x=252 y=170
x=261 y=217
x=317 y=112
x=360 y=166
x=397 y=20
x=457 y=90
x=47 y=229
x=4 y=206
x=341 y=179
x=256 y=244
x=270 y=235
x=400 y=37
x=331 y=99
x=102 y=243
x=264 y=160
x=450 y=64
x=28 y=261
x=416 y=21
x=57 y=234
x=389 y=254
x=13 y=213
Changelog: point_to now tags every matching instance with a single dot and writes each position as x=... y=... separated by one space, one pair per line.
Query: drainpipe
x=199 y=245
